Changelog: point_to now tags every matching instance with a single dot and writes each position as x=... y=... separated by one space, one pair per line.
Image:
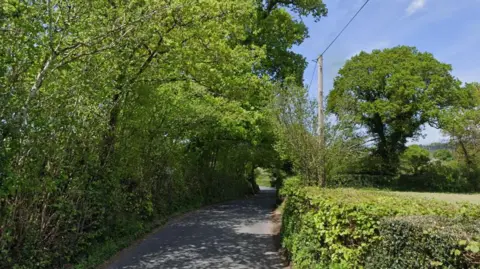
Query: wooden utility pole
x=321 y=115
x=321 y=120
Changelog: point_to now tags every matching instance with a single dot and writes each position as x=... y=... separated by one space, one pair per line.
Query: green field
x=449 y=197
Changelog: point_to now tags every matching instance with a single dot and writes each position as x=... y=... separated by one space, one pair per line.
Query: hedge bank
x=343 y=228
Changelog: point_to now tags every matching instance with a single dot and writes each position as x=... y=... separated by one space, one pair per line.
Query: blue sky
x=450 y=29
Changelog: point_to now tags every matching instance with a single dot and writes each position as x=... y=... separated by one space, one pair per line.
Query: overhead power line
x=311 y=80
x=335 y=39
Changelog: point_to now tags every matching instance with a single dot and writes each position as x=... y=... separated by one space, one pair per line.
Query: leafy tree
x=462 y=125
x=278 y=30
x=298 y=142
x=114 y=113
x=443 y=155
x=296 y=126
x=392 y=93
x=414 y=158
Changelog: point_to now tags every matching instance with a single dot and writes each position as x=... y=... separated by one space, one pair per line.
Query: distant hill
x=436 y=146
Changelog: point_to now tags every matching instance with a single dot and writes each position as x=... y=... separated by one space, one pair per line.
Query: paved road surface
x=237 y=234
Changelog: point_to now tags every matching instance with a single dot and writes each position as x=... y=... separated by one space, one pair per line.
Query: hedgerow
x=361 y=181
x=425 y=242
x=326 y=227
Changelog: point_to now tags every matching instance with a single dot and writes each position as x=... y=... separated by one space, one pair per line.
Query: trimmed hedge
x=425 y=242
x=326 y=227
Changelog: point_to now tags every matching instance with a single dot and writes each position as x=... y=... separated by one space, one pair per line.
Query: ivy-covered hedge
x=325 y=227
x=425 y=242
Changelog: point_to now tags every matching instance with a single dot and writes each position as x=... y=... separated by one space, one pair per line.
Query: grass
x=449 y=197
x=263 y=177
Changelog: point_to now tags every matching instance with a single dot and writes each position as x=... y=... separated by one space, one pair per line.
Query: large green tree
x=279 y=27
x=113 y=113
x=391 y=93
x=462 y=125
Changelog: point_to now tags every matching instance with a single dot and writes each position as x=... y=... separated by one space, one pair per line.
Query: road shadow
x=237 y=234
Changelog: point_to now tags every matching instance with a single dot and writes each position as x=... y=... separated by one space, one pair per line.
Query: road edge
x=160 y=224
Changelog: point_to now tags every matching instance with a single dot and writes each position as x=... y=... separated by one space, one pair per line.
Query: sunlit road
x=237 y=234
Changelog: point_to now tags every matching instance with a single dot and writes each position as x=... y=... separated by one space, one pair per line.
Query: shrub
x=425 y=242
x=290 y=186
x=361 y=181
x=436 y=177
x=414 y=158
x=443 y=155
x=322 y=227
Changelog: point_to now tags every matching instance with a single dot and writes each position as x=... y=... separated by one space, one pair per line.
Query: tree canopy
x=443 y=155
x=414 y=158
x=278 y=30
x=115 y=113
x=462 y=125
x=392 y=93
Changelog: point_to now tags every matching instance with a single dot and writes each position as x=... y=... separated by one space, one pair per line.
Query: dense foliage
x=325 y=227
x=462 y=125
x=392 y=93
x=441 y=171
x=426 y=242
x=297 y=139
x=414 y=159
x=115 y=113
x=443 y=155
x=296 y=122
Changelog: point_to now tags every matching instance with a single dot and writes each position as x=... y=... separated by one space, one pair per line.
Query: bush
x=436 y=177
x=425 y=242
x=322 y=227
x=414 y=158
x=361 y=181
x=443 y=155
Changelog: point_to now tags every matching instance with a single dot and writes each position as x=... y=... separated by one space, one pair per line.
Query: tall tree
x=115 y=112
x=462 y=125
x=279 y=27
x=392 y=93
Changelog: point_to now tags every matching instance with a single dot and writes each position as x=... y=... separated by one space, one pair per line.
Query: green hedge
x=437 y=177
x=361 y=181
x=425 y=242
x=322 y=227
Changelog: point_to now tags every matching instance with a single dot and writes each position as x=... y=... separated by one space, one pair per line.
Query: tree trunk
x=109 y=136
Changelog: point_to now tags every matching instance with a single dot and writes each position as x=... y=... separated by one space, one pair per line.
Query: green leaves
x=392 y=93
x=414 y=158
x=462 y=124
x=473 y=247
x=376 y=229
x=115 y=113
x=277 y=30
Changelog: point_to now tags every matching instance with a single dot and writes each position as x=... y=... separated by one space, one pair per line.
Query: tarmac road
x=238 y=234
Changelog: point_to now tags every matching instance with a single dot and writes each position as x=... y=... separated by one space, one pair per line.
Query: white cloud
x=415 y=5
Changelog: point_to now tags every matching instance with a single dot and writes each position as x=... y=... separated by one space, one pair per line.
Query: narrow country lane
x=237 y=234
